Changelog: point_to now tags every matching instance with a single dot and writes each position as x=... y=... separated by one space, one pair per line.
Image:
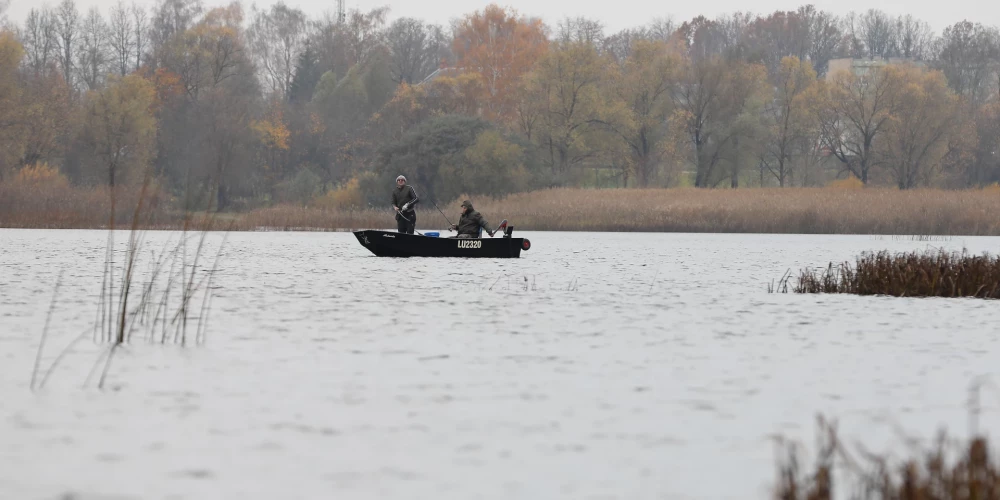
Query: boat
x=393 y=244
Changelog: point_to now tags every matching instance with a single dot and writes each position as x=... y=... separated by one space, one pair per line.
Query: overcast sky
x=616 y=14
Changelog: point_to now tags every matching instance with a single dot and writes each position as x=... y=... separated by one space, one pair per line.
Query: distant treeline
x=241 y=110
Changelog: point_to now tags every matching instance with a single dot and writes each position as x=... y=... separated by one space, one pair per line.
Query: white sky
x=616 y=14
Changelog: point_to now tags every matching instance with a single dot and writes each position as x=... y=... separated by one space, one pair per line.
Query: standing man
x=403 y=200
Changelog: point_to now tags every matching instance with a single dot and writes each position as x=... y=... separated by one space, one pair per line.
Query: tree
x=417 y=49
x=581 y=30
x=854 y=114
x=307 y=75
x=120 y=127
x=969 y=56
x=643 y=88
x=39 y=40
x=92 y=57
x=121 y=38
x=140 y=26
x=45 y=110
x=277 y=39
x=790 y=117
x=914 y=38
x=713 y=103
x=362 y=34
x=423 y=151
x=566 y=84
x=926 y=114
x=171 y=18
x=825 y=36
x=501 y=47
x=11 y=132
x=450 y=155
x=494 y=166
x=67 y=32
x=872 y=34
x=984 y=167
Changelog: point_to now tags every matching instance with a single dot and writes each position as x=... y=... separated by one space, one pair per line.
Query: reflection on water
x=596 y=366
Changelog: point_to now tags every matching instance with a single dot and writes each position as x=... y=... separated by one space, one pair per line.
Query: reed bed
x=751 y=210
x=914 y=274
x=28 y=205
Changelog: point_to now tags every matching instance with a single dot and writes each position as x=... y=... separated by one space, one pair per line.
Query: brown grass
x=928 y=274
x=791 y=210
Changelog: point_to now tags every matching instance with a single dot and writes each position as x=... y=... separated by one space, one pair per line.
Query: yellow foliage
x=851 y=182
x=993 y=188
x=345 y=197
x=272 y=132
x=41 y=174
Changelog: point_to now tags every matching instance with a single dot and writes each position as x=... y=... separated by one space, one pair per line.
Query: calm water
x=596 y=366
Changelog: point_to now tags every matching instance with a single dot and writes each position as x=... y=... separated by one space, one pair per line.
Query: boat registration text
x=470 y=244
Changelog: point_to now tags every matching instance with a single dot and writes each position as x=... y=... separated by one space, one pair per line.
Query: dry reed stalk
x=119 y=311
x=930 y=475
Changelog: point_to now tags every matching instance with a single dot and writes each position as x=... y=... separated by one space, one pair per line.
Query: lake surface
x=632 y=366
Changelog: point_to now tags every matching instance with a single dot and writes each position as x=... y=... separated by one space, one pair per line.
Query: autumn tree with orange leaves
x=500 y=46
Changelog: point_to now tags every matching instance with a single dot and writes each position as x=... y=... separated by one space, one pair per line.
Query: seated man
x=470 y=222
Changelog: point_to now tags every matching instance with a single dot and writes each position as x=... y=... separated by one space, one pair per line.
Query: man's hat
x=467 y=204
x=400 y=177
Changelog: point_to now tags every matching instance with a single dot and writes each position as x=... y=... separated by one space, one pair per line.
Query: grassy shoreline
x=752 y=210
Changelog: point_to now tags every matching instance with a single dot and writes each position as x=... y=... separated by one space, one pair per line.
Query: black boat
x=392 y=244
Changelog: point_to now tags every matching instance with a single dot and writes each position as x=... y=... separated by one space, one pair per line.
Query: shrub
x=347 y=196
x=41 y=175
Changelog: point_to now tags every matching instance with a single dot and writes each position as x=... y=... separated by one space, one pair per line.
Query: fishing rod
x=408 y=220
x=443 y=215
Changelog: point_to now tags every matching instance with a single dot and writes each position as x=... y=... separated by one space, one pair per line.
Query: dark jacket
x=470 y=222
x=402 y=195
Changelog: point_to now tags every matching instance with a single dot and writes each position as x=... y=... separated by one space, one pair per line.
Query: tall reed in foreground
x=928 y=274
x=965 y=470
x=163 y=303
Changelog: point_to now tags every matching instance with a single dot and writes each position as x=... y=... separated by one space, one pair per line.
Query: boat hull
x=392 y=244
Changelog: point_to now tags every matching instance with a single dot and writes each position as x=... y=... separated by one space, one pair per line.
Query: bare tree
x=171 y=17
x=733 y=30
x=67 y=28
x=140 y=26
x=580 y=29
x=873 y=34
x=39 y=40
x=92 y=55
x=121 y=38
x=661 y=29
x=363 y=33
x=914 y=38
x=619 y=45
x=969 y=56
x=277 y=38
x=825 y=36
x=417 y=49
